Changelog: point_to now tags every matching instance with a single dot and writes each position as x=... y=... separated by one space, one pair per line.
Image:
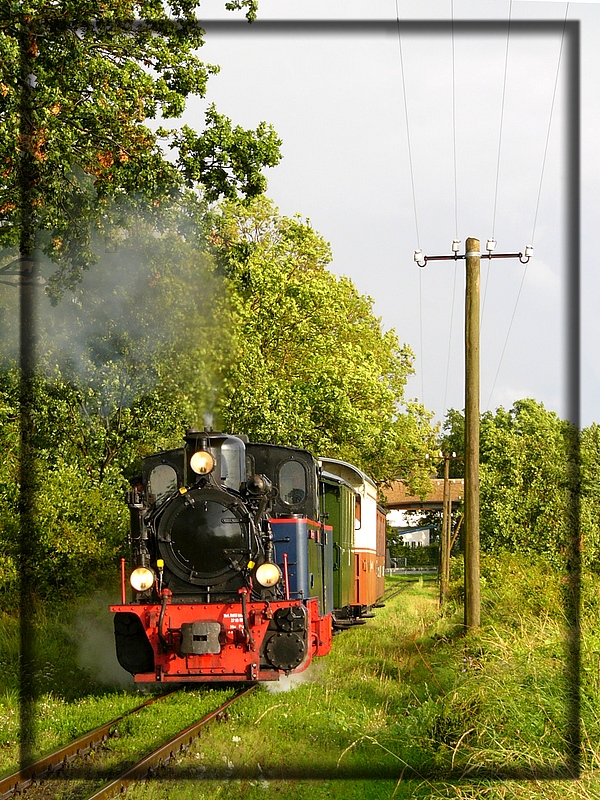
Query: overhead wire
x=498 y=160
x=539 y=194
x=455 y=202
x=410 y=160
x=501 y=118
x=414 y=197
x=562 y=41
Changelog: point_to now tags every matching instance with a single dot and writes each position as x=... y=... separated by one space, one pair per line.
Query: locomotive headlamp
x=268 y=574
x=141 y=579
x=202 y=462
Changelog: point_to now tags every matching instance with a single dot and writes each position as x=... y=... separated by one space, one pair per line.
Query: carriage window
x=163 y=482
x=357 y=513
x=292 y=483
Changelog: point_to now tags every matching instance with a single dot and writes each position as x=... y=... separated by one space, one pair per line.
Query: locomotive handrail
x=166 y=595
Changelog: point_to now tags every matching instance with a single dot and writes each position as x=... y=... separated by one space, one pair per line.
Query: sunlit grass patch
x=409 y=695
x=407 y=698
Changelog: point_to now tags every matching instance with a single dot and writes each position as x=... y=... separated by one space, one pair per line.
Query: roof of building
x=398 y=496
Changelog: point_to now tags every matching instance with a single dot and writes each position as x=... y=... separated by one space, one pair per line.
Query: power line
x=562 y=40
x=537 y=203
x=455 y=202
x=487 y=274
x=501 y=120
x=506 y=340
x=454 y=125
x=450 y=336
x=410 y=162
x=414 y=198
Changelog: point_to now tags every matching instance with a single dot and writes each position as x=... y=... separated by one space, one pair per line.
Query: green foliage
x=523 y=480
x=227 y=161
x=426 y=556
x=453 y=441
x=589 y=507
x=9 y=485
x=313 y=367
x=538 y=487
x=124 y=369
x=75 y=149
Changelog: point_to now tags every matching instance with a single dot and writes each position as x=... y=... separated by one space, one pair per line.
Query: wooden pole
x=448 y=530
x=444 y=538
x=472 y=589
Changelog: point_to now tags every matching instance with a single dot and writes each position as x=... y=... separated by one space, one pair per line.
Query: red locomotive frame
x=239 y=658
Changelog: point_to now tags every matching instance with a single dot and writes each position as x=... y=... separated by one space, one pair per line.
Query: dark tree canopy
x=78 y=83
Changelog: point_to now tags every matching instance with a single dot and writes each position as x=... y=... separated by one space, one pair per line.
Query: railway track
x=13 y=785
x=163 y=754
x=394 y=591
x=16 y=783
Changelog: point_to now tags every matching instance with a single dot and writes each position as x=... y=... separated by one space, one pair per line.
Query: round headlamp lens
x=202 y=462
x=268 y=574
x=141 y=579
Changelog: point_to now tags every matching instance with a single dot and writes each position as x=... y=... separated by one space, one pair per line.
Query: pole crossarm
x=523 y=258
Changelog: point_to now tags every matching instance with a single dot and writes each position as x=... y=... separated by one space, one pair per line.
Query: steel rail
x=395 y=591
x=163 y=754
x=38 y=770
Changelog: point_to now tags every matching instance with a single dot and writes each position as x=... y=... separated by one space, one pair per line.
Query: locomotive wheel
x=134 y=651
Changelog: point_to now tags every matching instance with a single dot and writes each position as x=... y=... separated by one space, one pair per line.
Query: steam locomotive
x=246 y=558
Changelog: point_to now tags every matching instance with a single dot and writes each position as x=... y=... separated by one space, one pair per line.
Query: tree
x=590 y=496
x=77 y=84
x=313 y=367
x=453 y=441
x=529 y=478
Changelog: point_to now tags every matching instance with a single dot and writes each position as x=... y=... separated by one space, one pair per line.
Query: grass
x=407 y=701
x=78 y=684
x=399 y=707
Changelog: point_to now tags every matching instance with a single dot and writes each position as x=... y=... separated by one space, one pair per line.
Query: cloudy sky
x=404 y=135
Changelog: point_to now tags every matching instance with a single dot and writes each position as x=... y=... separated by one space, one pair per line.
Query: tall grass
x=407 y=706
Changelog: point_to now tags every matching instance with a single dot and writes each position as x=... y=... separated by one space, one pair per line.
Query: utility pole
x=472 y=258
x=446 y=541
x=472 y=593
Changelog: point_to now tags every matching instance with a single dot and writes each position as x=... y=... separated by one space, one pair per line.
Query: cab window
x=292 y=483
x=163 y=482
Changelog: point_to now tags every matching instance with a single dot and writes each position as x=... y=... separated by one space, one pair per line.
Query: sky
x=400 y=137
